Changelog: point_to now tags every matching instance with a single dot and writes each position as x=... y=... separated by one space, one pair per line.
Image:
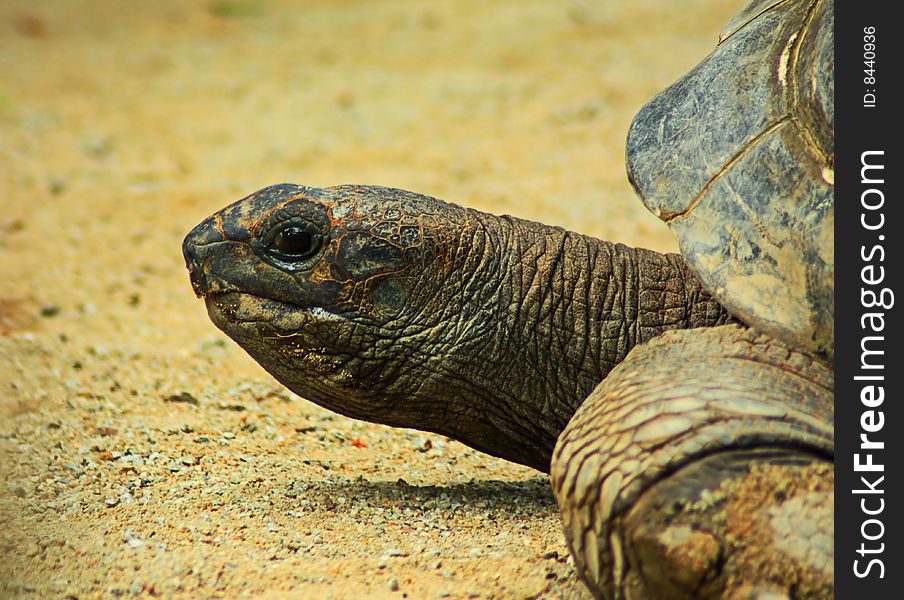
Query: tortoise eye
x=294 y=244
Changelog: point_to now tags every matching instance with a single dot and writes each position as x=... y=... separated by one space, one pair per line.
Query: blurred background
x=122 y=124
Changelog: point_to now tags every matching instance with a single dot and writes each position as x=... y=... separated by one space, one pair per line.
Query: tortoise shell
x=737 y=157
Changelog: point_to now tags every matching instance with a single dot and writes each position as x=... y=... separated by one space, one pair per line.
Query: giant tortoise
x=683 y=404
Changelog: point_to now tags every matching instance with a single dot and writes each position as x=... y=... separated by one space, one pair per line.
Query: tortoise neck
x=567 y=309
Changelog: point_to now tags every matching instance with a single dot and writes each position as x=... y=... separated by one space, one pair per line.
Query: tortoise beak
x=193 y=249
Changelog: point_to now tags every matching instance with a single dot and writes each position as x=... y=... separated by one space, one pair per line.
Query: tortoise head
x=401 y=309
x=354 y=297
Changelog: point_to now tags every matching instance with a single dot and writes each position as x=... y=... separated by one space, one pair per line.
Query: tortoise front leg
x=702 y=467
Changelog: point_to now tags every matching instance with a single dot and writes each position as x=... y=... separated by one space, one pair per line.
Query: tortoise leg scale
x=702 y=467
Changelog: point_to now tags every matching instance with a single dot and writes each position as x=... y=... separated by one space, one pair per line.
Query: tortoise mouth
x=232 y=308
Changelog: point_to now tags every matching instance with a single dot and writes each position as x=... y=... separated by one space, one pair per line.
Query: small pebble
x=50 y=311
x=183 y=398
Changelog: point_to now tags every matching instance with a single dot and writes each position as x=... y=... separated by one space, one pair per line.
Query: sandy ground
x=143 y=454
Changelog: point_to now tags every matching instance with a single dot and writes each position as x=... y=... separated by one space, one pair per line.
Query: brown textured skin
x=660 y=474
x=419 y=313
x=493 y=330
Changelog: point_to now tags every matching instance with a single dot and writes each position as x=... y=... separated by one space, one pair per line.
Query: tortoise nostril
x=203 y=234
x=189 y=252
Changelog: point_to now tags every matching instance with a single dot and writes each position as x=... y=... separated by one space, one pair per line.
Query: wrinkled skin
x=398 y=308
x=413 y=312
x=691 y=456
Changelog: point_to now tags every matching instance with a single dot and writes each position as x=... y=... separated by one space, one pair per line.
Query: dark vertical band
x=869 y=401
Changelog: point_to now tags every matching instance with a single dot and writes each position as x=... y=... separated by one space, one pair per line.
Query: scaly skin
x=401 y=309
x=692 y=469
x=418 y=313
